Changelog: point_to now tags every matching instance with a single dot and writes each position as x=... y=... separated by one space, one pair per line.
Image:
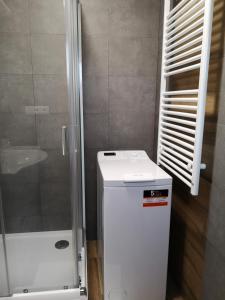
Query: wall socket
x=36 y=110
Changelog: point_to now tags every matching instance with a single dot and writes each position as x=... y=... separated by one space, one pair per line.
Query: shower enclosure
x=42 y=213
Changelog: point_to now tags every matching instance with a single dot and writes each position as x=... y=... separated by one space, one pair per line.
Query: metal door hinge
x=83 y=291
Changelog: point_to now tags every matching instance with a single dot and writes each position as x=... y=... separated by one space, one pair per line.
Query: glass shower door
x=4 y=281
x=39 y=146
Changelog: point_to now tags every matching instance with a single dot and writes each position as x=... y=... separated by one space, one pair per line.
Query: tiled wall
x=32 y=72
x=120 y=56
x=214 y=288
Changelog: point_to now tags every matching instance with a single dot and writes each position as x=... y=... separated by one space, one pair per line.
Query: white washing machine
x=134 y=203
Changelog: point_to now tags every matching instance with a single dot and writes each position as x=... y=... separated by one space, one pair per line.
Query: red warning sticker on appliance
x=153 y=198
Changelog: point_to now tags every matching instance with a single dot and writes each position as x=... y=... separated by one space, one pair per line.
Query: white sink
x=13 y=159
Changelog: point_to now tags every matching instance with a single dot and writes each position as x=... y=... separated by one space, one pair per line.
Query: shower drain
x=62 y=244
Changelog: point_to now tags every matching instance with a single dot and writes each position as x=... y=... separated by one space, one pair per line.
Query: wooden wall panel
x=189 y=214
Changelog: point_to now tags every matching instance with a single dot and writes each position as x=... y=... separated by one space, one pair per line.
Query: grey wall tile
x=158 y=78
x=96 y=130
x=16 y=92
x=14 y=17
x=133 y=57
x=47 y=16
x=27 y=175
x=32 y=224
x=60 y=222
x=91 y=204
x=136 y=4
x=95 y=94
x=91 y=159
x=132 y=93
x=19 y=129
x=48 y=54
x=207 y=156
x=55 y=199
x=221 y=113
x=95 y=56
x=138 y=20
x=132 y=129
x=24 y=224
x=214 y=275
x=21 y=200
x=95 y=21
x=100 y=4
x=49 y=130
x=55 y=167
x=216 y=219
x=219 y=162
x=15 y=54
x=51 y=91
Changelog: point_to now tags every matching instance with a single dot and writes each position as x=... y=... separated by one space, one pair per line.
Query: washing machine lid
x=130 y=168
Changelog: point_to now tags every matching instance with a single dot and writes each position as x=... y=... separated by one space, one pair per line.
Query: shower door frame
x=4 y=254
x=76 y=153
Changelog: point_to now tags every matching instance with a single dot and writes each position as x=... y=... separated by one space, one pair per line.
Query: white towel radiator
x=186 y=47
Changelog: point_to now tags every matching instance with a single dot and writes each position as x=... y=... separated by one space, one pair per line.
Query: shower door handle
x=64 y=130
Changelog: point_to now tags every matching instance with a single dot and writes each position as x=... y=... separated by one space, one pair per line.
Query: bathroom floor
x=94 y=277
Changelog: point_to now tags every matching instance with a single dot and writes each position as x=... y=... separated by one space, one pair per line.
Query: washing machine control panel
x=125 y=155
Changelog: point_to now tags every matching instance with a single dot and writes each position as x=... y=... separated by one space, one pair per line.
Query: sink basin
x=13 y=159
